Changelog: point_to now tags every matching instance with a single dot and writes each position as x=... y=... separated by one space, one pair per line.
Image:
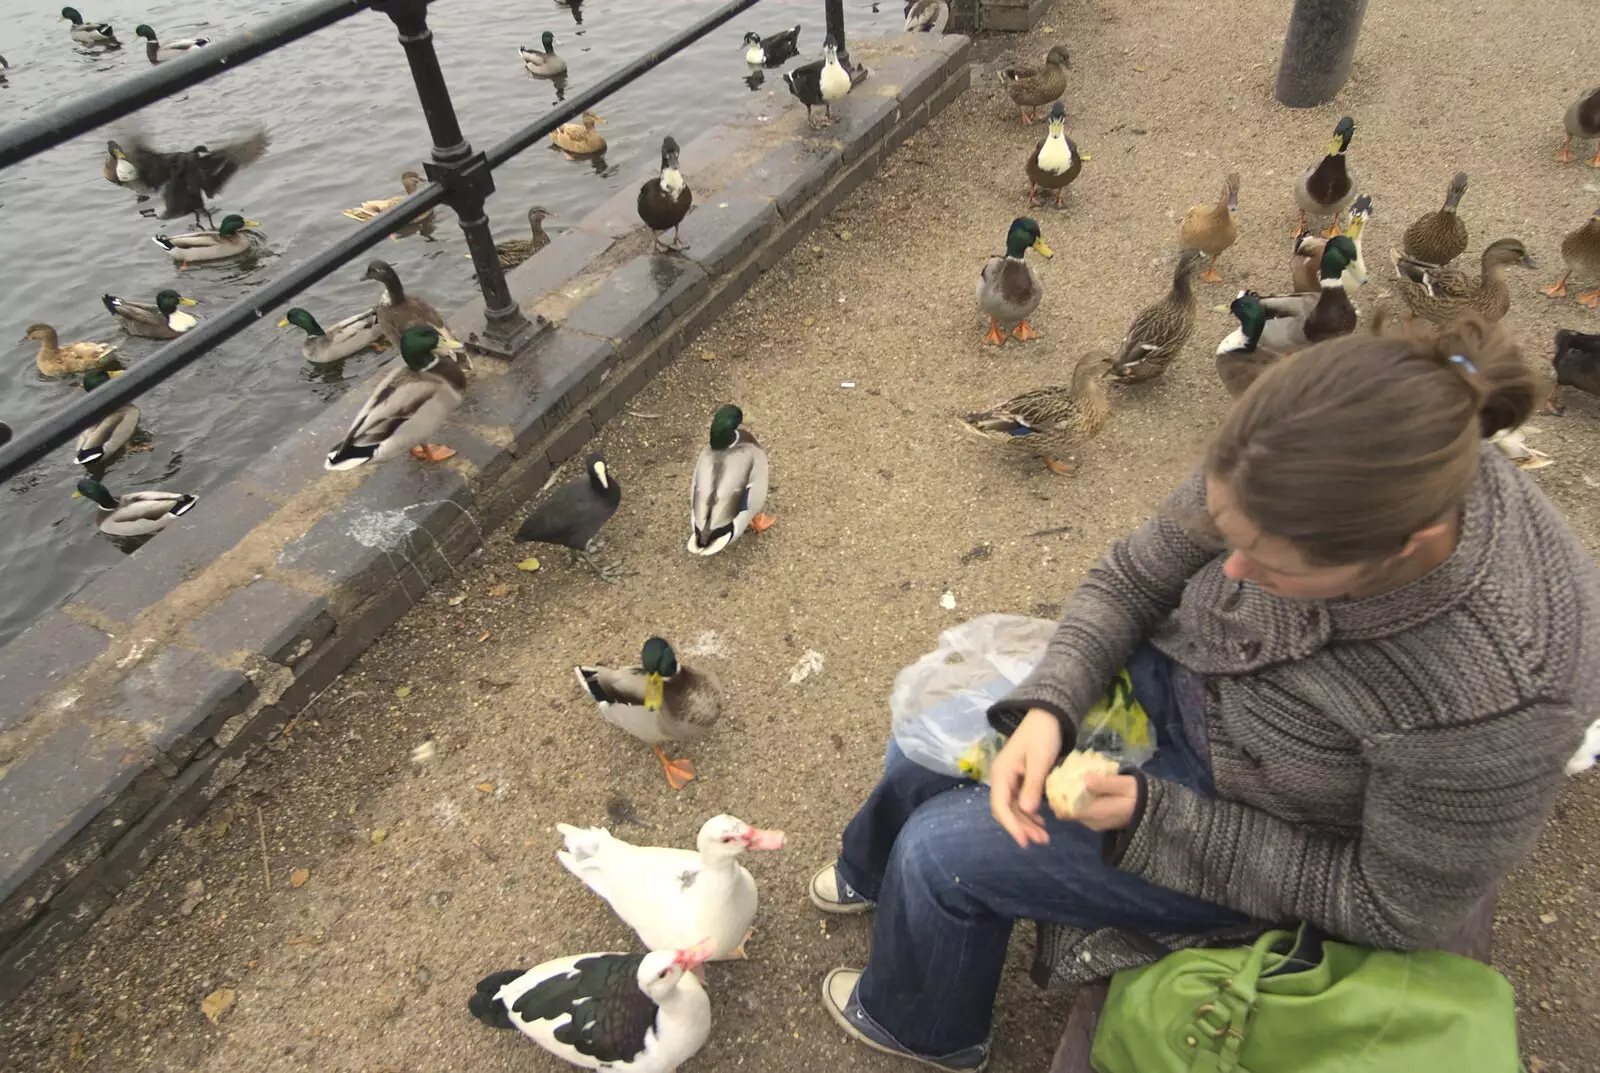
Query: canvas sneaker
x=839 y=996
x=831 y=894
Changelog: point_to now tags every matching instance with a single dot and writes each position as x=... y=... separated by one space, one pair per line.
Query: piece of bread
x=1064 y=788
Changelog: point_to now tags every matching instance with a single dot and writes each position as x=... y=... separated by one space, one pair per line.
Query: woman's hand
x=1115 y=799
x=1016 y=778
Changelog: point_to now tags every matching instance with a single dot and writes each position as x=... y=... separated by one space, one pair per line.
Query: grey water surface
x=344 y=121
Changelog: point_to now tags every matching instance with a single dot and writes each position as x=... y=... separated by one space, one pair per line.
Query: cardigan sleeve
x=1122 y=599
x=1447 y=812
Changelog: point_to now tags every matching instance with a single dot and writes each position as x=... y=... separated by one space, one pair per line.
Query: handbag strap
x=1237 y=1000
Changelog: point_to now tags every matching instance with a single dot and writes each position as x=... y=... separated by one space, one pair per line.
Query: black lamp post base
x=509 y=337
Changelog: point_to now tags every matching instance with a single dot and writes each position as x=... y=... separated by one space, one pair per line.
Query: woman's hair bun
x=1487 y=359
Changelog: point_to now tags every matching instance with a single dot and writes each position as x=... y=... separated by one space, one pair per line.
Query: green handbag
x=1300 y=1003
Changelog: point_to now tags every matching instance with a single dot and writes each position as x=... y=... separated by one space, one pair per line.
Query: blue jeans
x=950 y=882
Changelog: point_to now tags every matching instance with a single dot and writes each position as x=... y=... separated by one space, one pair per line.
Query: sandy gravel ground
x=882 y=507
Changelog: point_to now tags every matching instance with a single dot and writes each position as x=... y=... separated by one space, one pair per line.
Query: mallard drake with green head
x=666 y=199
x=1582 y=121
x=1159 y=332
x=1212 y=229
x=1581 y=251
x=580 y=139
x=408 y=405
x=89 y=33
x=1443 y=294
x=54 y=359
x=349 y=336
x=368 y=210
x=159 y=51
x=544 y=64
x=1051 y=422
x=187 y=179
x=1009 y=289
x=1328 y=186
x=399 y=310
x=1297 y=320
x=1439 y=237
x=137 y=513
x=1055 y=162
x=513 y=251
x=729 y=485
x=1577 y=364
x=161 y=320
x=658 y=701
x=1305 y=264
x=926 y=16
x=1030 y=87
x=111 y=434
x=229 y=240
x=1242 y=356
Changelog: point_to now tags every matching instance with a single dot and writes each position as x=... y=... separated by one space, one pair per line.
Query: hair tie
x=1465 y=362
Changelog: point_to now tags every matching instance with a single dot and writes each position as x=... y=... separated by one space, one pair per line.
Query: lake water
x=344 y=120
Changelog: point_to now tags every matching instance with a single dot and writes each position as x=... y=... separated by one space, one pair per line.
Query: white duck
x=668 y=894
x=729 y=486
x=640 y=1013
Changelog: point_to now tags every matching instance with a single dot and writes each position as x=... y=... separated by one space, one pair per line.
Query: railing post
x=465 y=174
x=834 y=15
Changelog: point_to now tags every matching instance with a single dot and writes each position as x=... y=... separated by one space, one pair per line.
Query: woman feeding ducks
x=1315 y=626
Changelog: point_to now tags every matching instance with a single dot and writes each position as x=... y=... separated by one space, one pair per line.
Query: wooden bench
x=1473 y=940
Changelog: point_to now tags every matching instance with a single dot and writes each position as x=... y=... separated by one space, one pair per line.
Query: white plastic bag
x=939 y=705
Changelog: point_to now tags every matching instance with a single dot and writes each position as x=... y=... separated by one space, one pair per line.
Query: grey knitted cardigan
x=1380 y=763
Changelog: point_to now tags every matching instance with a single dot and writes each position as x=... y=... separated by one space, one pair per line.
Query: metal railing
x=460 y=177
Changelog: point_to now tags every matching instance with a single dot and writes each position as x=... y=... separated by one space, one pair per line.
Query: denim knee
x=934 y=851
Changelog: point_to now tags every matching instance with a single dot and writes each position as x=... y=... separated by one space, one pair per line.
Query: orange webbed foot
x=762 y=522
x=1591 y=300
x=1024 y=331
x=994 y=337
x=1211 y=275
x=432 y=452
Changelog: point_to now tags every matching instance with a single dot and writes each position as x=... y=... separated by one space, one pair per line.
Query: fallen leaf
x=482 y=637
x=1047 y=29
x=485 y=787
x=403 y=692
x=425 y=752
x=499 y=589
x=194 y=892
x=219 y=829
x=1138 y=67
x=1547 y=918
x=708 y=355
x=299 y=877
x=457 y=601
x=809 y=321
x=219 y=1002
x=75 y=1047
x=379 y=834
x=530 y=564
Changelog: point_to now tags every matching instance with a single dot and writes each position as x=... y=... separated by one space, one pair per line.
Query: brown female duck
x=1213 y=228
x=1051 y=422
x=1581 y=250
x=1031 y=87
x=1159 y=331
x=513 y=251
x=1443 y=294
x=1439 y=237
